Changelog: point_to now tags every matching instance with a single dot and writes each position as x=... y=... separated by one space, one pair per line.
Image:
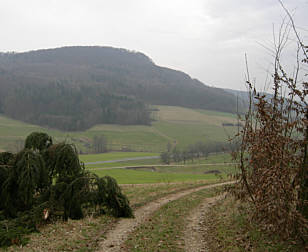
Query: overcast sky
x=207 y=39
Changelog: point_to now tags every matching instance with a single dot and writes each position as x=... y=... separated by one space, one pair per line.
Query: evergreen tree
x=50 y=176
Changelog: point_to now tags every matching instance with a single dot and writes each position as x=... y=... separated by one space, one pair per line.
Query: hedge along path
x=116 y=237
x=193 y=235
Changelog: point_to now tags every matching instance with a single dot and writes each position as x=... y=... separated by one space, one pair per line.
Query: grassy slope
x=164 y=228
x=173 y=124
x=224 y=230
x=226 y=227
x=124 y=176
x=114 y=156
x=211 y=159
x=196 y=169
x=124 y=164
x=178 y=125
x=85 y=234
x=234 y=230
x=190 y=172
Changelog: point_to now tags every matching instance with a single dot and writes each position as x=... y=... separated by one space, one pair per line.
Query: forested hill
x=73 y=88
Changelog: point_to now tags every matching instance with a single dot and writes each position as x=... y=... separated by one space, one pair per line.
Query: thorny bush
x=273 y=152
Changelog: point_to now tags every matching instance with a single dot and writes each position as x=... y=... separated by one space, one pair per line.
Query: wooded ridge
x=74 y=88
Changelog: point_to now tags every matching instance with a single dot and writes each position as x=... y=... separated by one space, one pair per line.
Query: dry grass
x=164 y=229
x=139 y=195
x=232 y=230
x=86 y=234
x=73 y=235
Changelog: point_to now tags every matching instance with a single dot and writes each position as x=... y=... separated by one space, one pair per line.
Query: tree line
x=194 y=151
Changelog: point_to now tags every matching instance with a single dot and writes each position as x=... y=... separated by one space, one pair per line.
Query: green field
x=153 y=171
x=211 y=159
x=125 y=176
x=177 y=125
x=114 y=156
x=125 y=164
x=193 y=169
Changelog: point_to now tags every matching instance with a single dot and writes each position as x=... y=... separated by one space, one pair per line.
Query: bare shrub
x=273 y=152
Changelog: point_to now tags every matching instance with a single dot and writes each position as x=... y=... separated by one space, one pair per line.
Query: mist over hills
x=74 y=88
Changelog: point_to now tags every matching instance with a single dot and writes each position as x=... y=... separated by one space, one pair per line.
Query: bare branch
x=294 y=28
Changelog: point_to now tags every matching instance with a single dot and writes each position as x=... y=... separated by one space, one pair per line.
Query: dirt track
x=116 y=236
x=193 y=236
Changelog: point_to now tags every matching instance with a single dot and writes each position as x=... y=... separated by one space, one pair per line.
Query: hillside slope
x=74 y=88
x=177 y=125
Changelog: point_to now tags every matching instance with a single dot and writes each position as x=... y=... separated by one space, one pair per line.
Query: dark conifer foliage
x=38 y=141
x=113 y=199
x=50 y=177
x=6 y=158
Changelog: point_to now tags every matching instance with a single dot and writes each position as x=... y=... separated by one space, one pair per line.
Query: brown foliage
x=273 y=152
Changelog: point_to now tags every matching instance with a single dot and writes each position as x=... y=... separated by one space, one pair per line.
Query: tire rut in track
x=117 y=236
x=193 y=235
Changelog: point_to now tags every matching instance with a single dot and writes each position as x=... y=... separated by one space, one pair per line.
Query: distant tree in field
x=176 y=155
x=185 y=156
x=202 y=149
x=100 y=144
x=165 y=157
x=169 y=147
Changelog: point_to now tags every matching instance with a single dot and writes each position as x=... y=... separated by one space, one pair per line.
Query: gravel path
x=116 y=236
x=194 y=232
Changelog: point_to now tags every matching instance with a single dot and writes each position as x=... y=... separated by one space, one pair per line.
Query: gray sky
x=207 y=39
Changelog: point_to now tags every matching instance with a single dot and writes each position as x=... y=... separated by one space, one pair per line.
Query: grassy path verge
x=141 y=194
x=164 y=230
x=86 y=234
x=233 y=230
x=117 y=236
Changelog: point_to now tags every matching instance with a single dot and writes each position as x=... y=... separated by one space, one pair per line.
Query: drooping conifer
x=38 y=141
x=50 y=176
